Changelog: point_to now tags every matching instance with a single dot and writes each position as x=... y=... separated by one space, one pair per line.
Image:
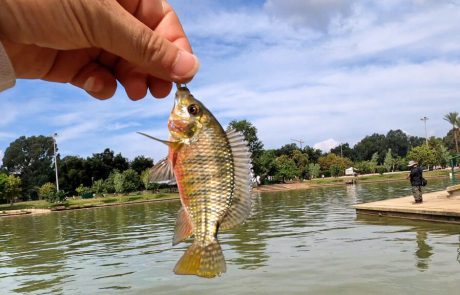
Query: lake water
x=296 y=242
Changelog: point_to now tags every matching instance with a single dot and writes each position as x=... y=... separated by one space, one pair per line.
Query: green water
x=298 y=242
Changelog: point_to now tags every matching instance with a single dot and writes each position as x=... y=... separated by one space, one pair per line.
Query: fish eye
x=193 y=109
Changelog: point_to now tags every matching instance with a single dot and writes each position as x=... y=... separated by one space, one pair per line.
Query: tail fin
x=204 y=260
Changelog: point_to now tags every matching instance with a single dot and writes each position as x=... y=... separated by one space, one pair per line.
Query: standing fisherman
x=416 y=178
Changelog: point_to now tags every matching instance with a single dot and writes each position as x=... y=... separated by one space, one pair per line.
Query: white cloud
x=382 y=66
x=1 y=157
x=312 y=13
x=326 y=145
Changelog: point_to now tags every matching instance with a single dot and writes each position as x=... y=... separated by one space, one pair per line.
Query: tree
x=109 y=183
x=73 y=171
x=100 y=165
x=267 y=164
x=145 y=178
x=398 y=142
x=312 y=153
x=301 y=161
x=32 y=159
x=118 y=182
x=285 y=168
x=415 y=141
x=335 y=170
x=120 y=163
x=287 y=149
x=332 y=159
x=313 y=170
x=98 y=186
x=126 y=181
x=140 y=163
x=423 y=155
x=442 y=155
x=10 y=187
x=364 y=167
x=250 y=135
x=132 y=181
x=47 y=191
x=344 y=150
x=449 y=141
x=389 y=161
x=374 y=162
x=369 y=145
x=453 y=119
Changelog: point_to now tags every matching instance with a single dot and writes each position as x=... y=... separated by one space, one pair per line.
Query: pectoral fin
x=168 y=143
x=162 y=172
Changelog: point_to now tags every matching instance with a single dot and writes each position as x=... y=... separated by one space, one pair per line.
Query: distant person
x=95 y=44
x=416 y=177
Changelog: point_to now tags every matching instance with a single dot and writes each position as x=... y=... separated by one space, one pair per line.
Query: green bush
x=109 y=185
x=126 y=182
x=98 y=186
x=47 y=191
x=109 y=200
x=381 y=169
x=335 y=170
x=84 y=190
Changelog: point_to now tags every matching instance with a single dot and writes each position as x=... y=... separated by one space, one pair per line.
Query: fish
x=212 y=169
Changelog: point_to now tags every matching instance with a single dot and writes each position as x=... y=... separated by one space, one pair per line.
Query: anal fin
x=183 y=228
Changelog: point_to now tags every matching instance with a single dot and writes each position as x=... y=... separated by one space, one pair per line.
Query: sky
x=324 y=72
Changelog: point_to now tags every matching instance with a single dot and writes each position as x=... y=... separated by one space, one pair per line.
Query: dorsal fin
x=162 y=172
x=241 y=202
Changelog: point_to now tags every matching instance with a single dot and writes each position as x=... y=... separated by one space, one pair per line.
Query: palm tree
x=453 y=119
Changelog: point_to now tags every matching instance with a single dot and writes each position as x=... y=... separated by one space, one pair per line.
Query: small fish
x=212 y=170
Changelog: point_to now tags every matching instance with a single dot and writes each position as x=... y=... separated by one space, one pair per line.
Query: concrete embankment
x=10 y=213
x=440 y=206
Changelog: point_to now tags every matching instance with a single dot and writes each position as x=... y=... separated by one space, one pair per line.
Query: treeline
x=28 y=163
x=376 y=153
x=31 y=161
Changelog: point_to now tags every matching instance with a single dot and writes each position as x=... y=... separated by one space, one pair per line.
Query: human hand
x=94 y=43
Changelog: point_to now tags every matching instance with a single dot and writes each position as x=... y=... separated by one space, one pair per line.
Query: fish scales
x=207 y=189
x=212 y=170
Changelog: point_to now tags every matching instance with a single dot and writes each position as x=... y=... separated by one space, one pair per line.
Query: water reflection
x=422 y=230
x=424 y=251
x=458 y=250
x=295 y=239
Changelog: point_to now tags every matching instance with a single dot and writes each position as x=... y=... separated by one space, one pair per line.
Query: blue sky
x=322 y=71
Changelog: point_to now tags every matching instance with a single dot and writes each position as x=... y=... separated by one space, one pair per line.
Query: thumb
x=120 y=33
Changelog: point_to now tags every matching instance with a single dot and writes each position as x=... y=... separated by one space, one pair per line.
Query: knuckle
x=154 y=50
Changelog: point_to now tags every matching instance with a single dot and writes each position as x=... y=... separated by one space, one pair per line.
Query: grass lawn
x=139 y=196
x=379 y=177
x=83 y=203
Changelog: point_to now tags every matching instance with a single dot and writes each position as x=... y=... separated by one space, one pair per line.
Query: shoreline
x=278 y=187
x=268 y=188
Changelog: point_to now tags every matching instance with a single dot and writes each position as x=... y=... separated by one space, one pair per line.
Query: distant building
x=350 y=171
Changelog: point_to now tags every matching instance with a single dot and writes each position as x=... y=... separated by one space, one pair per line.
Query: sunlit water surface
x=296 y=242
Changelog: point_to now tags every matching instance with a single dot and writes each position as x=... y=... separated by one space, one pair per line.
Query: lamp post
x=55 y=161
x=424 y=119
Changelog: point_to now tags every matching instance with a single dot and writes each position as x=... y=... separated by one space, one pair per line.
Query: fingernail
x=186 y=65
x=93 y=85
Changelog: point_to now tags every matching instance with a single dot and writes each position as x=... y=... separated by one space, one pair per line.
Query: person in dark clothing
x=416 y=176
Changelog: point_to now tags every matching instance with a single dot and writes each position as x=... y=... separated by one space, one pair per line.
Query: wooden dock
x=437 y=206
